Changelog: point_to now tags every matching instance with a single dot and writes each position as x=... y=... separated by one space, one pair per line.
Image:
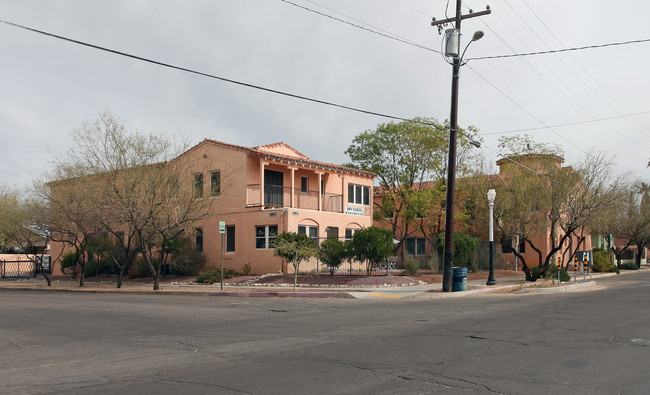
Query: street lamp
x=491 y=195
x=452 y=50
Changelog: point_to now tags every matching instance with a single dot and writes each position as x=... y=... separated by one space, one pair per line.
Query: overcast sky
x=49 y=87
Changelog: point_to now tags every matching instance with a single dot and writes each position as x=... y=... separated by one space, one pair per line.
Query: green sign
x=222 y=226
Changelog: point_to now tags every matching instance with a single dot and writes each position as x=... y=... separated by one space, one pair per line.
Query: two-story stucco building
x=262 y=191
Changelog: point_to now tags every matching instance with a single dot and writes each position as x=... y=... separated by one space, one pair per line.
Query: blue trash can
x=459 y=279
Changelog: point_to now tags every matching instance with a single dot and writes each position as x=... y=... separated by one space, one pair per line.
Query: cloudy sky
x=376 y=55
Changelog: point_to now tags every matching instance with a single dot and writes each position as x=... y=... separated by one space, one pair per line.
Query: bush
x=411 y=266
x=551 y=273
x=602 y=263
x=246 y=269
x=332 y=253
x=629 y=266
x=139 y=268
x=465 y=246
x=69 y=259
x=186 y=260
x=90 y=268
x=212 y=274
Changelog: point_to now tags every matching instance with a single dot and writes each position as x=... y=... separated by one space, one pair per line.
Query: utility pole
x=453 y=135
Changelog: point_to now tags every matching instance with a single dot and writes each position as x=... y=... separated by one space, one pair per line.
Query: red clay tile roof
x=264 y=153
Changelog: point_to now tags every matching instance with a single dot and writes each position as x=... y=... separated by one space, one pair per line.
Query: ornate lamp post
x=491 y=195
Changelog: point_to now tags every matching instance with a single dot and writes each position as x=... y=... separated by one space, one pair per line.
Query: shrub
x=465 y=246
x=212 y=274
x=602 y=263
x=90 y=268
x=186 y=260
x=629 y=266
x=246 y=269
x=139 y=268
x=411 y=266
x=69 y=259
x=332 y=252
x=551 y=273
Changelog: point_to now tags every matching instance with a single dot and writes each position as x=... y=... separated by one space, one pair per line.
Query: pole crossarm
x=434 y=22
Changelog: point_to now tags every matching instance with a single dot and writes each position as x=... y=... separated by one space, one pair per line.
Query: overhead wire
x=385 y=33
x=191 y=71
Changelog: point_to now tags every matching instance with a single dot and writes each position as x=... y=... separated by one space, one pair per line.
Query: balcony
x=279 y=196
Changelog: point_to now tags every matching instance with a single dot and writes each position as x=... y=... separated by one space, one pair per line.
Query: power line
x=385 y=34
x=516 y=55
x=203 y=74
x=565 y=124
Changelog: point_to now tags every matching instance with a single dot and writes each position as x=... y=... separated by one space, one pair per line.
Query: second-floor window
x=304 y=184
x=198 y=185
x=215 y=183
x=359 y=194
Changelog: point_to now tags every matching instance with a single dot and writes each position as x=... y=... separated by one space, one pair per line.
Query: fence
x=24 y=268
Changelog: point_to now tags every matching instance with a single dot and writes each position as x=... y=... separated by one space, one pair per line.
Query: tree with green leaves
x=332 y=253
x=410 y=160
x=372 y=245
x=295 y=248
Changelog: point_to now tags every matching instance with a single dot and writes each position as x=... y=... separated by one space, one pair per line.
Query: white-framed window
x=359 y=194
x=349 y=233
x=265 y=236
x=215 y=183
x=310 y=231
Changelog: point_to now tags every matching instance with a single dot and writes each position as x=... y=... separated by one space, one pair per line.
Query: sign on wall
x=354 y=210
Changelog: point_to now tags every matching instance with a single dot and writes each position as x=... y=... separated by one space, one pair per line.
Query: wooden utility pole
x=453 y=135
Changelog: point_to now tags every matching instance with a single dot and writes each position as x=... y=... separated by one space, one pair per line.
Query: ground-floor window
x=332 y=232
x=349 y=233
x=416 y=246
x=265 y=236
x=198 y=239
x=310 y=231
x=230 y=238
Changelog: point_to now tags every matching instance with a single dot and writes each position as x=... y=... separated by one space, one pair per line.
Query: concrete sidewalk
x=507 y=284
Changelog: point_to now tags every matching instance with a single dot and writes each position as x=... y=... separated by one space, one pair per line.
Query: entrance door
x=273 y=188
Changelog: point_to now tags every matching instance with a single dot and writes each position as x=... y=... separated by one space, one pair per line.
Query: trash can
x=459 y=279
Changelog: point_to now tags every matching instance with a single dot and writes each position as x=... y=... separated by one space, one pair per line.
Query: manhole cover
x=641 y=342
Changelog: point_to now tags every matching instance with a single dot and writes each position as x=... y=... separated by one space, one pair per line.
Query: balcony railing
x=279 y=196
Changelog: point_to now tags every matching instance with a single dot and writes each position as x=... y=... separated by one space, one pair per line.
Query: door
x=273 y=188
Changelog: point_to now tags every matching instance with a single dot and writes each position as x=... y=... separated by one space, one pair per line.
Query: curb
x=565 y=288
x=281 y=294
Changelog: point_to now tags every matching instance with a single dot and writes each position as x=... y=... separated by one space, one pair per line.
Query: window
x=359 y=194
x=311 y=231
x=230 y=238
x=198 y=239
x=416 y=246
x=349 y=233
x=322 y=187
x=332 y=232
x=215 y=183
x=198 y=185
x=265 y=236
x=304 y=184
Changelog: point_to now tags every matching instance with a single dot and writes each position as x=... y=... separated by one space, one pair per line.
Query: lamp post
x=491 y=195
x=452 y=50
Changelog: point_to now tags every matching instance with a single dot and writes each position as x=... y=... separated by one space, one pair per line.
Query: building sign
x=354 y=210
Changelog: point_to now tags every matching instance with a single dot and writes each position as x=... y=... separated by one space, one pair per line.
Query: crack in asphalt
x=449 y=378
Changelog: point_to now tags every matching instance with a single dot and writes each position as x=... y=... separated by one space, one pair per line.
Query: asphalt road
x=596 y=340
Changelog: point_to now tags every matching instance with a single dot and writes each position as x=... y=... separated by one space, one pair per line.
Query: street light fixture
x=491 y=195
x=452 y=48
